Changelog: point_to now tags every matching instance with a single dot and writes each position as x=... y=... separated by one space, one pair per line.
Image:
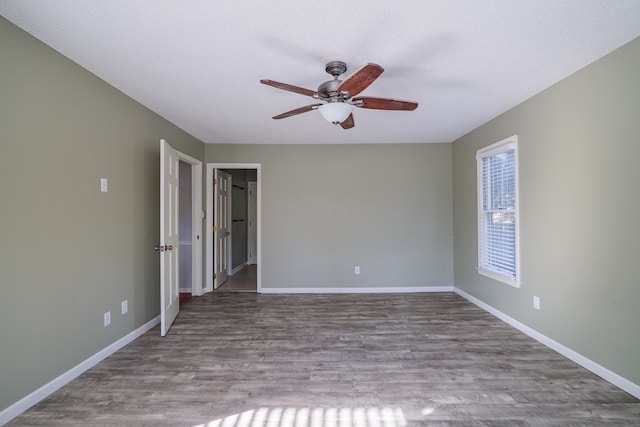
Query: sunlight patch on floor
x=313 y=417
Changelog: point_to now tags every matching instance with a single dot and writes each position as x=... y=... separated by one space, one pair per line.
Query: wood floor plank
x=242 y=359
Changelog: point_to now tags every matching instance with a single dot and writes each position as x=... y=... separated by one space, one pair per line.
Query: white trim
x=367 y=290
x=230 y=225
x=211 y=167
x=43 y=392
x=238 y=268
x=196 y=222
x=615 y=379
x=499 y=276
x=251 y=185
x=510 y=143
x=184 y=290
x=208 y=280
x=497 y=147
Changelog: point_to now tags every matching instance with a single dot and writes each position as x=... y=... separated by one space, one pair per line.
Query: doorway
x=223 y=254
x=185 y=230
x=170 y=225
x=190 y=218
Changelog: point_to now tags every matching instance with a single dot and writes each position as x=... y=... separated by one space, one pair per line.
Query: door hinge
x=215 y=181
x=214 y=229
x=215 y=276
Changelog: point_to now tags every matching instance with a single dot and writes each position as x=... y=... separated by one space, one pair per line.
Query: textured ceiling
x=198 y=63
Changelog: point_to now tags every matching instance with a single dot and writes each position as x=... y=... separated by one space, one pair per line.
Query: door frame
x=251 y=206
x=197 y=216
x=210 y=247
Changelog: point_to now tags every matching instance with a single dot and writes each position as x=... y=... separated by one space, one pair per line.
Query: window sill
x=499 y=277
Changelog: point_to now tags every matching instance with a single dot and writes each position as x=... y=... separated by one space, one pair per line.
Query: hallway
x=246 y=280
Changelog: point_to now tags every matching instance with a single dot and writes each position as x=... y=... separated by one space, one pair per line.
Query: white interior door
x=222 y=226
x=169 y=237
x=253 y=223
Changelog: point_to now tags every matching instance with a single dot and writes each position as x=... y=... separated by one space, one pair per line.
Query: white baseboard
x=31 y=399
x=238 y=268
x=367 y=290
x=184 y=290
x=615 y=379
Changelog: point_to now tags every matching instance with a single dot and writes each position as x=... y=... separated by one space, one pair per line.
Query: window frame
x=503 y=146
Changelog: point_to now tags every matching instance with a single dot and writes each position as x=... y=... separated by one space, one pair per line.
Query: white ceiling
x=198 y=63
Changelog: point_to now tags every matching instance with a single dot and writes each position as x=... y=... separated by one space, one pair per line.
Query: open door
x=169 y=237
x=213 y=257
x=222 y=227
x=252 y=204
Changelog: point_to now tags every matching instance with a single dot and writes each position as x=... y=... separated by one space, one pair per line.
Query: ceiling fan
x=338 y=95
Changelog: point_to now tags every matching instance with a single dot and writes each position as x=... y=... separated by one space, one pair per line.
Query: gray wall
x=327 y=208
x=580 y=240
x=69 y=253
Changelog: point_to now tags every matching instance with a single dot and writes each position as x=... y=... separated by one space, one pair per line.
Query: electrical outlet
x=357 y=269
x=107 y=319
x=104 y=185
x=536 y=303
x=125 y=306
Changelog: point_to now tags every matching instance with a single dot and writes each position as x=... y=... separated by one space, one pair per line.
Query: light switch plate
x=104 y=185
x=536 y=303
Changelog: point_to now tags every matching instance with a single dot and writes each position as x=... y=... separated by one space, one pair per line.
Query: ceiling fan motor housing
x=329 y=90
x=336 y=68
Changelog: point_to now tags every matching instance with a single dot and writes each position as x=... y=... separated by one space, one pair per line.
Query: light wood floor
x=243 y=359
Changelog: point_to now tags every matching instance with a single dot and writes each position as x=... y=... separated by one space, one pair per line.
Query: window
x=498 y=256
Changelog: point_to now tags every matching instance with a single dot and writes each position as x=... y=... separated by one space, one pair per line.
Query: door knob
x=227 y=233
x=168 y=247
x=162 y=248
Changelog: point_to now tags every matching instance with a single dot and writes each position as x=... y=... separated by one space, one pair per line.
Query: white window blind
x=498 y=211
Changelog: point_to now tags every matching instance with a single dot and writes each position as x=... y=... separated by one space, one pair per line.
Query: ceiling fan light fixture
x=335 y=112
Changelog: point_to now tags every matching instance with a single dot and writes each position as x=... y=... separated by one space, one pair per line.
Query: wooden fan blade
x=348 y=123
x=361 y=79
x=297 y=111
x=384 y=103
x=290 y=88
